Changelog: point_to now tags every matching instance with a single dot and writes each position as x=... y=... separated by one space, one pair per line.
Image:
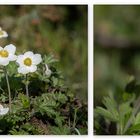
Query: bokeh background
x=54 y=29
x=116 y=48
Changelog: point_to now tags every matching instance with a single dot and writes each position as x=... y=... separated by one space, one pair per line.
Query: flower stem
x=26 y=85
x=75 y=115
x=8 y=86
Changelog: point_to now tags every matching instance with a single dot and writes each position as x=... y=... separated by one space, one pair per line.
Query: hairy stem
x=26 y=85
x=8 y=86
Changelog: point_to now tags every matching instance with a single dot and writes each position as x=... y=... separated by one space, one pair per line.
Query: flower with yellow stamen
x=7 y=54
x=28 y=62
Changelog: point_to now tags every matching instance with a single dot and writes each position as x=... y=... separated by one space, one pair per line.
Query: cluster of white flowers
x=27 y=62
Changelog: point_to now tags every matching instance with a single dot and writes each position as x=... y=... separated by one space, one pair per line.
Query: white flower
x=3 y=110
x=48 y=72
x=7 y=54
x=28 y=61
x=3 y=33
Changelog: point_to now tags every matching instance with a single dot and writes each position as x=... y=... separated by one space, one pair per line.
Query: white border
x=37 y=2
x=90 y=69
x=116 y=2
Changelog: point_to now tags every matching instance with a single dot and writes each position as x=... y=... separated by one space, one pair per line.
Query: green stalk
x=8 y=86
x=75 y=115
x=77 y=131
x=26 y=85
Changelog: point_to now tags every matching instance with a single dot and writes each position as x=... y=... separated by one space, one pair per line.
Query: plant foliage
x=50 y=109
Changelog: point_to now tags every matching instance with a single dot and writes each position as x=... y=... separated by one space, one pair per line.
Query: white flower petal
x=4 y=111
x=32 y=68
x=4 y=61
x=37 y=59
x=12 y=57
x=20 y=59
x=5 y=34
x=10 y=48
x=29 y=54
x=23 y=70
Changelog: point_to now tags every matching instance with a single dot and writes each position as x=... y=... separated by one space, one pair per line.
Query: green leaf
x=124 y=109
x=105 y=113
x=61 y=98
x=25 y=100
x=18 y=132
x=137 y=119
x=111 y=106
x=59 y=120
x=49 y=59
x=124 y=114
x=128 y=97
x=65 y=130
x=133 y=128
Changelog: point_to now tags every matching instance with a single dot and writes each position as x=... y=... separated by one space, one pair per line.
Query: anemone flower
x=7 y=54
x=28 y=64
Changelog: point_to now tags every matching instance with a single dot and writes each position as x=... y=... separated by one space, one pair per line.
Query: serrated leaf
x=59 y=120
x=49 y=59
x=111 y=106
x=61 y=98
x=25 y=100
x=105 y=113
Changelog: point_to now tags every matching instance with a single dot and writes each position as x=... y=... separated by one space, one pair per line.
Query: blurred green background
x=116 y=48
x=59 y=30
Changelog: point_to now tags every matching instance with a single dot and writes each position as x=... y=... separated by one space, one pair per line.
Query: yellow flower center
x=28 y=62
x=1 y=33
x=4 y=53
